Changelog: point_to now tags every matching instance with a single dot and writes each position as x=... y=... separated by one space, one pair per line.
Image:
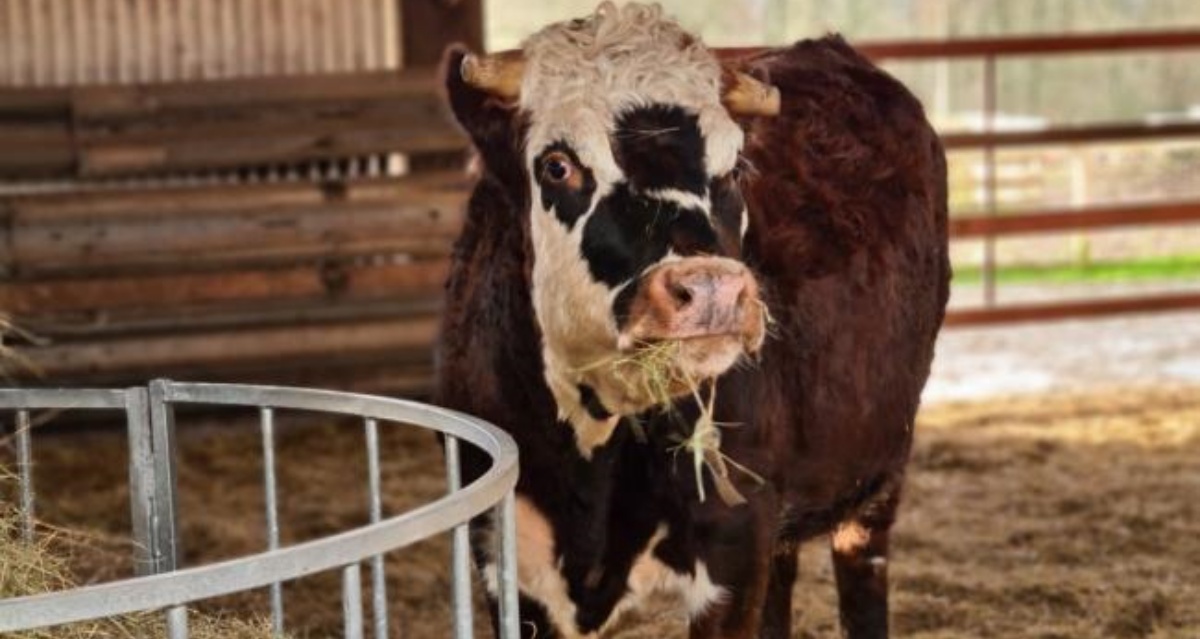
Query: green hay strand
x=656 y=376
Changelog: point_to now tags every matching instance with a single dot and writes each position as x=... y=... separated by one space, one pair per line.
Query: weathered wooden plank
x=119 y=102
x=233 y=149
x=316 y=283
x=35 y=103
x=262 y=236
x=118 y=322
x=138 y=102
x=35 y=149
x=262 y=347
x=152 y=131
x=192 y=201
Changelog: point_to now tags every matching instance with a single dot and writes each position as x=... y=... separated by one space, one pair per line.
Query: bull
x=773 y=230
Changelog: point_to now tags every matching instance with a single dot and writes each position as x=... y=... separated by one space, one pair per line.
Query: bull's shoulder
x=827 y=83
x=850 y=162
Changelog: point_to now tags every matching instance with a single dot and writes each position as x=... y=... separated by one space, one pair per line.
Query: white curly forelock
x=581 y=74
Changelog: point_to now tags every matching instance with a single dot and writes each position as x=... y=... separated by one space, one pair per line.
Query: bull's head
x=629 y=148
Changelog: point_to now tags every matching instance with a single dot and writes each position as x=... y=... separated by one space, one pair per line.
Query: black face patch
x=628 y=233
x=728 y=208
x=660 y=146
x=572 y=197
x=592 y=404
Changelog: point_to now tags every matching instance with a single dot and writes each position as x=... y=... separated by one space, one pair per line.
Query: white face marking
x=580 y=77
x=683 y=199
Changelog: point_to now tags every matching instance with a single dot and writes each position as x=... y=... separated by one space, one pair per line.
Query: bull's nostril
x=680 y=294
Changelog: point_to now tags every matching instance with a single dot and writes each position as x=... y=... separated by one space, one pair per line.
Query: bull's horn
x=498 y=73
x=746 y=96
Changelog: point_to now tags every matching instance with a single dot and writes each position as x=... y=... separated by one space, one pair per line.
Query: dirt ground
x=1064 y=515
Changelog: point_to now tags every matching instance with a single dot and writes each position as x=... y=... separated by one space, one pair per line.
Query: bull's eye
x=557 y=168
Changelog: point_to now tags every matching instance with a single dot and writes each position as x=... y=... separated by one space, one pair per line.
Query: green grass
x=1159 y=268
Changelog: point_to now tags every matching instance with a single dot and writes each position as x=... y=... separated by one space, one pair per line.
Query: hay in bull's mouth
x=704 y=445
x=648 y=370
x=42 y=567
x=656 y=375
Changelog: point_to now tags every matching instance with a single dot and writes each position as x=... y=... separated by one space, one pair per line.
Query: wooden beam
x=258 y=237
x=121 y=102
x=427 y=27
x=116 y=205
x=193 y=319
x=317 y=344
x=323 y=282
x=117 y=103
x=1010 y=313
x=1062 y=220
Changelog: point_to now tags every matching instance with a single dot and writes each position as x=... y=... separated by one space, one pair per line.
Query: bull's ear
x=491 y=121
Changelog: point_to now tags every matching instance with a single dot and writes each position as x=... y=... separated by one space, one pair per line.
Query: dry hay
x=1041 y=517
x=651 y=370
x=44 y=566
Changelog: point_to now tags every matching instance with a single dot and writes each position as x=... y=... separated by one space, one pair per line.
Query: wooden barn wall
x=79 y=42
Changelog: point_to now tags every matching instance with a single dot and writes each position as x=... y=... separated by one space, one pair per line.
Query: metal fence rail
x=991 y=223
x=150 y=417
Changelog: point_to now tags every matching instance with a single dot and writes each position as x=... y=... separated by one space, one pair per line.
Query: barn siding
x=77 y=42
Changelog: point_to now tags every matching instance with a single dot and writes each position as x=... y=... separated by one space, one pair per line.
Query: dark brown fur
x=847 y=196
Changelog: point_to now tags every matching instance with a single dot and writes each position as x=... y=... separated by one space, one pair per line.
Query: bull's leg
x=737 y=549
x=777 y=610
x=860 y=555
x=535 y=624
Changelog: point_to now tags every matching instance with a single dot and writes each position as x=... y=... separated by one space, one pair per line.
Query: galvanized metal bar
x=460 y=567
x=989 y=163
x=379 y=607
x=61 y=398
x=1058 y=220
x=436 y=418
x=166 y=544
x=352 y=615
x=141 y=479
x=506 y=517
x=246 y=573
x=266 y=416
x=1044 y=45
x=25 y=474
x=177 y=622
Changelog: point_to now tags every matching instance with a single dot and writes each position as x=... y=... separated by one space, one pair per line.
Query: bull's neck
x=492 y=279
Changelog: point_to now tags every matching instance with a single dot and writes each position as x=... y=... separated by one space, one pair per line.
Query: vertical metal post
x=177 y=622
x=165 y=543
x=506 y=570
x=989 y=162
x=378 y=576
x=352 y=615
x=266 y=416
x=141 y=479
x=25 y=474
x=460 y=560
